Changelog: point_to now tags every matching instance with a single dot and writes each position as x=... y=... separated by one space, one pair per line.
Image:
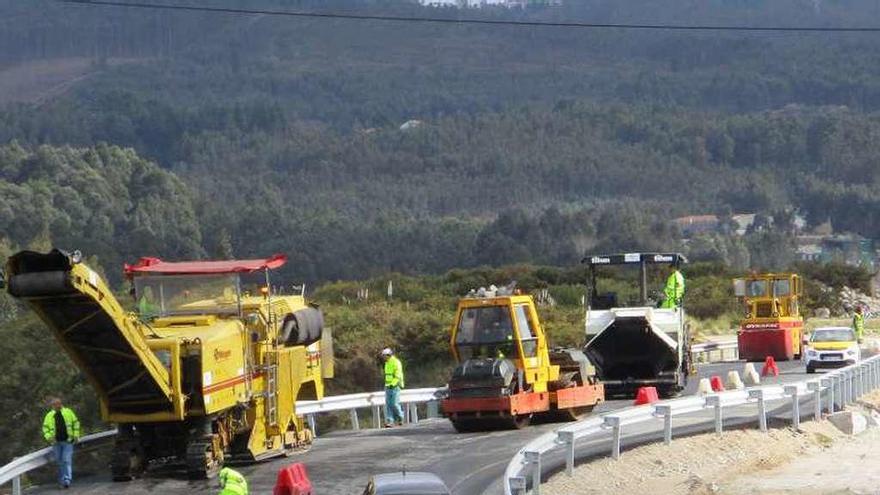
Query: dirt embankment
x=817 y=459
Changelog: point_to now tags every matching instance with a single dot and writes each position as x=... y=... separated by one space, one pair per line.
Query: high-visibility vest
x=674 y=289
x=393 y=372
x=70 y=421
x=233 y=482
x=859 y=324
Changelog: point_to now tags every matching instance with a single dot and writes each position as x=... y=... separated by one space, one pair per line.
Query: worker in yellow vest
x=674 y=289
x=859 y=323
x=61 y=429
x=232 y=482
x=393 y=385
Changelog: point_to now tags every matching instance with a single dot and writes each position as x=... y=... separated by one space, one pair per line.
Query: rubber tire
x=572 y=414
x=811 y=369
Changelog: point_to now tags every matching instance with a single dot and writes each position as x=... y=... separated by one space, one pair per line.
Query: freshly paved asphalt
x=342 y=462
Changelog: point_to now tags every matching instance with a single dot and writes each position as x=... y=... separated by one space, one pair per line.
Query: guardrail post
x=816 y=388
x=792 y=390
x=876 y=373
x=715 y=402
x=377 y=417
x=353 y=415
x=433 y=409
x=762 y=409
x=872 y=376
x=614 y=423
x=518 y=485
x=848 y=393
x=875 y=363
x=312 y=424
x=852 y=387
x=858 y=382
x=828 y=383
x=16 y=485
x=666 y=412
x=534 y=460
x=413 y=413
x=566 y=438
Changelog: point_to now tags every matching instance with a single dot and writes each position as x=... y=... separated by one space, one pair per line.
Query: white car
x=831 y=347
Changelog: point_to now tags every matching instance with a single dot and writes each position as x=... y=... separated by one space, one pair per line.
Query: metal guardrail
x=725 y=349
x=21 y=465
x=410 y=398
x=840 y=387
x=14 y=470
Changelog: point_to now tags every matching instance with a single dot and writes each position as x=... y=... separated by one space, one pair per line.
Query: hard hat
x=387 y=351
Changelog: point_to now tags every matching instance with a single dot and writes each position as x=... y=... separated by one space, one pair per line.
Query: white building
x=482 y=3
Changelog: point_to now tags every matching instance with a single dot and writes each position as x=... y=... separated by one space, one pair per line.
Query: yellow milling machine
x=204 y=371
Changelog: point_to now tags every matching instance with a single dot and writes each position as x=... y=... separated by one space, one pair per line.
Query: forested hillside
x=286 y=138
x=136 y=132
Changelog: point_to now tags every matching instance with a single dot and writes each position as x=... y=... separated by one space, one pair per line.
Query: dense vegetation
x=186 y=135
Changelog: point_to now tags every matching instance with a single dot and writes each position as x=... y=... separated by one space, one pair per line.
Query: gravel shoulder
x=816 y=459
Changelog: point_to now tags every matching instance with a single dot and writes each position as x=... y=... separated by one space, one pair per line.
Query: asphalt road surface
x=341 y=462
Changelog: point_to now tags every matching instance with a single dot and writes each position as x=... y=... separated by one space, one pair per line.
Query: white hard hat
x=387 y=351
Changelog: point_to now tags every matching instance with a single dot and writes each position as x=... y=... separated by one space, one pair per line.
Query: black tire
x=810 y=369
x=127 y=462
x=464 y=426
x=572 y=414
x=520 y=421
x=303 y=327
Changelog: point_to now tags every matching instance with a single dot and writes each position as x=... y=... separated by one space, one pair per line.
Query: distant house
x=701 y=224
x=483 y=3
x=851 y=249
x=411 y=124
x=743 y=222
x=697 y=224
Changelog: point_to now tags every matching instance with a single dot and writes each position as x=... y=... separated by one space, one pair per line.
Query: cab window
x=781 y=287
x=526 y=332
x=486 y=331
x=756 y=288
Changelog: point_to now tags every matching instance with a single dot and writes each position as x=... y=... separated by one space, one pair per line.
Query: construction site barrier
x=834 y=390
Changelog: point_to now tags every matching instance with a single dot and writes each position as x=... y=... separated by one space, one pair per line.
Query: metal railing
x=840 y=387
x=725 y=350
x=410 y=398
x=20 y=466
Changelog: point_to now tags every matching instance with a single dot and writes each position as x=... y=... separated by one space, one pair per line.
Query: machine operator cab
x=501 y=324
x=772 y=324
x=495 y=324
x=769 y=295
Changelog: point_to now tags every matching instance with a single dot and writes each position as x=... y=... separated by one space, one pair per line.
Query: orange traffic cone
x=717 y=384
x=646 y=395
x=770 y=367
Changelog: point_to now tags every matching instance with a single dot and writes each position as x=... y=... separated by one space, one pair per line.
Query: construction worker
x=232 y=482
x=393 y=384
x=147 y=308
x=61 y=429
x=859 y=323
x=674 y=289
